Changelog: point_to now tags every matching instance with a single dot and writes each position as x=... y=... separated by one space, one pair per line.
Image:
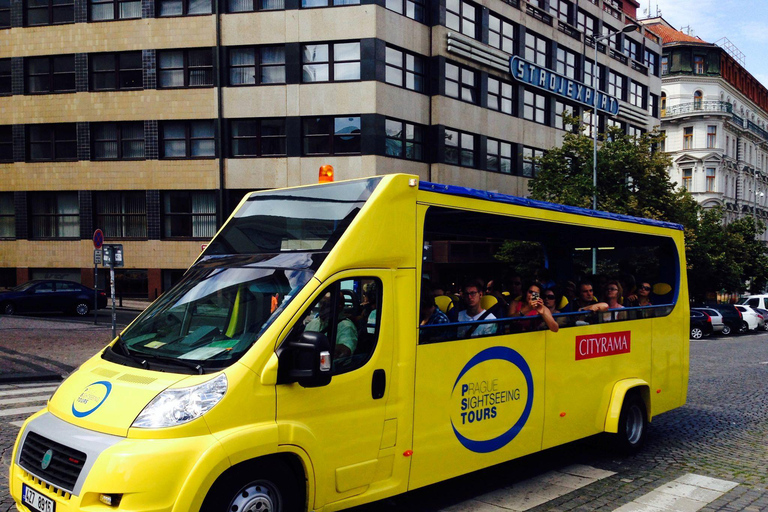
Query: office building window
x=711 y=136
x=616 y=85
x=592 y=72
x=6 y=84
x=461 y=83
x=52 y=142
x=566 y=63
x=615 y=40
x=637 y=94
x=499 y=156
x=501 y=96
x=663 y=144
x=49 y=12
x=462 y=16
x=536 y=49
x=54 y=215
x=189 y=214
x=7 y=216
x=710 y=179
x=331 y=62
x=587 y=123
x=501 y=34
x=188 y=139
x=254 y=5
x=101 y=10
x=116 y=71
x=250 y=138
x=50 y=74
x=460 y=148
x=121 y=214
x=5 y=13
x=535 y=107
x=652 y=61
x=185 y=68
x=327 y=3
x=561 y=9
x=256 y=65
x=332 y=136
x=560 y=109
x=531 y=164
x=698 y=99
x=653 y=105
x=586 y=23
x=404 y=140
x=6 y=143
x=688 y=137
x=698 y=64
x=664 y=65
x=414 y=9
x=117 y=141
x=183 y=7
x=405 y=69
x=687 y=179
x=632 y=49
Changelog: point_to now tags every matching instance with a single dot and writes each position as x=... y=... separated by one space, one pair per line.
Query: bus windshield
x=210 y=319
x=300 y=219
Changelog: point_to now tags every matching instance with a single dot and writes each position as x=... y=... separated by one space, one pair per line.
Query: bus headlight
x=177 y=406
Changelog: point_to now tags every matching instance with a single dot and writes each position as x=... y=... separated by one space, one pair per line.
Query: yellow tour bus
x=288 y=370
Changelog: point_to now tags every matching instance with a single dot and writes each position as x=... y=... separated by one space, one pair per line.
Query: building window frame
x=535 y=107
x=108 y=10
x=460 y=148
x=688 y=179
x=536 y=49
x=711 y=136
x=52 y=142
x=174 y=8
x=499 y=156
x=266 y=63
x=189 y=214
x=501 y=33
x=125 y=140
x=461 y=83
x=501 y=96
x=637 y=94
x=616 y=85
x=6 y=143
x=698 y=64
x=710 y=179
x=331 y=135
x=192 y=140
x=413 y=9
x=50 y=13
x=688 y=137
x=235 y=6
x=49 y=77
x=531 y=165
x=121 y=214
x=314 y=4
x=326 y=62
x=5 y=14
x=126 y=71
x=7 y=216
x=405 y=69
x=54 y=215
x=404 y=139
x=566 y=63
x=255 y=138
x=462 y=16
x=586 y=23
x=195 y=68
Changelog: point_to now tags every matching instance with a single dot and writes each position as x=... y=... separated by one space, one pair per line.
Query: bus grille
x=64 y=466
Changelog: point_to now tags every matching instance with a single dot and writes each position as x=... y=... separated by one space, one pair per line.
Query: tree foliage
x=632 y=179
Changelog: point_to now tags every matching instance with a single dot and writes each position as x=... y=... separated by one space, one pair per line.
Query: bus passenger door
x=479 y=401
x=342 y=426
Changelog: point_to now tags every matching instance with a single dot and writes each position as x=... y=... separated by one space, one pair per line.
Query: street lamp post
x=593 y=124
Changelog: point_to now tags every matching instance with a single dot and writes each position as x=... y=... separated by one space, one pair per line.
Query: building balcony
x=698 y=107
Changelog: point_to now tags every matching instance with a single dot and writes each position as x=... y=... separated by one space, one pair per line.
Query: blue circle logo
x=491 y=395
x=91 y=398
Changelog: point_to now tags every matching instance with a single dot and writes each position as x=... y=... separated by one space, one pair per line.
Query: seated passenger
x=346 y=332
x=471 y=295
x=612 y=295
x=642 y=296
x=533 y=305
x=585 y=301
x=430 y=314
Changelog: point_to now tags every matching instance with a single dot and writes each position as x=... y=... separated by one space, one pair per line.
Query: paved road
x=710 y=455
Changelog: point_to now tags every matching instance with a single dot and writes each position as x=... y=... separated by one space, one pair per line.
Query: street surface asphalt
x=718 y=439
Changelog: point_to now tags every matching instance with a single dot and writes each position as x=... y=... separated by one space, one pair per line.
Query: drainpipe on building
x=219 y=117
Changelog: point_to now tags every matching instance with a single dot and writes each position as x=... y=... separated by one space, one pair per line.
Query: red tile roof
x=670 y=35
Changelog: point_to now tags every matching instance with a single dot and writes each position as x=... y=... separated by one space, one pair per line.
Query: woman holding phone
x=531 y=304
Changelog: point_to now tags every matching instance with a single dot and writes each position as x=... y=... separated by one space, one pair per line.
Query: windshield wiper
x=173 y=362
x=127 y=352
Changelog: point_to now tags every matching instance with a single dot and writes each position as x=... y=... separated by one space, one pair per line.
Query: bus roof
x=532 y=203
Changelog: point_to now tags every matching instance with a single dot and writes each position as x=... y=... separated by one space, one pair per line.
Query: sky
x=743 y=22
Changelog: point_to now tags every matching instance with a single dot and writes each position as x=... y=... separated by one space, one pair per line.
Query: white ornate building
x=714 y=113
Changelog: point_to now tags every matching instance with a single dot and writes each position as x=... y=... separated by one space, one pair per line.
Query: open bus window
x=461 y=245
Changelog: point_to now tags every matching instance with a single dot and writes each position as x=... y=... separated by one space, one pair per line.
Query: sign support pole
x=112 y=289
x=95 y=293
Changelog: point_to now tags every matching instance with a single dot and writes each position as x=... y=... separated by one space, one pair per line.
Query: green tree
x=632 y=179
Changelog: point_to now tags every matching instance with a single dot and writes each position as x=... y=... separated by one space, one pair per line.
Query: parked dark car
x=50 y=295
x=734 y=323
x=701 y=325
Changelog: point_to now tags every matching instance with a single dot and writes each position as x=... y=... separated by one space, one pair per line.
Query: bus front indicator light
x=326 y=174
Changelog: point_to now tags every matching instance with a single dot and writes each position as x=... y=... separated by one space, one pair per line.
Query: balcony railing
x=619 y=57
x=756 y=129
x=696 y=107
x=737 y=120
x=539 y=14
x=567 y=29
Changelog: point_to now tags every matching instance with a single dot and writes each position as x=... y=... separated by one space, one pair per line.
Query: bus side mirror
x=307 y=360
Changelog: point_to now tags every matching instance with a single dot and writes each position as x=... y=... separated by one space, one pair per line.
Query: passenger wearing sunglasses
x=642 y=297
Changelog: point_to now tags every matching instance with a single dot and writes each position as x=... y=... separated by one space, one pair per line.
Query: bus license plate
x=37 y=501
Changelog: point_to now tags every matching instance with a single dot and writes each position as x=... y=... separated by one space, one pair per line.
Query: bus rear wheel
x=633 y=425
x=256 y=487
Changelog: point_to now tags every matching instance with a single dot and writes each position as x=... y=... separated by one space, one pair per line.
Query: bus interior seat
x=444 y=302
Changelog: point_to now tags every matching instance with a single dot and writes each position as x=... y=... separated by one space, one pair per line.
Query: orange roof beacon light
x=326 y=174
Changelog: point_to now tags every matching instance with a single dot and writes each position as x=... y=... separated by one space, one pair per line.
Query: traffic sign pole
x=98 y=241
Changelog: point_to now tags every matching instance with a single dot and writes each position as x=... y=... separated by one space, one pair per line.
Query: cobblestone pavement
x=722 y=432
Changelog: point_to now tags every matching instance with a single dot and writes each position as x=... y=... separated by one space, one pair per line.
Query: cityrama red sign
x=602 y=345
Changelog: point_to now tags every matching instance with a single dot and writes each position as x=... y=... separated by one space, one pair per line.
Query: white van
x=755 y=301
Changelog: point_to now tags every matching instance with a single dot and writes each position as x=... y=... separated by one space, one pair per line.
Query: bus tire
x=263 y=486
x=633 y=425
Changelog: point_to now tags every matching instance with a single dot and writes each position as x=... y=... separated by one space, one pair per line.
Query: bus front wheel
x=256 y=487
x=633 y=425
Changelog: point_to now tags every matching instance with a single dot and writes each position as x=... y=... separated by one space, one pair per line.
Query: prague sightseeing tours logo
x=91 y=398
x=491 y=399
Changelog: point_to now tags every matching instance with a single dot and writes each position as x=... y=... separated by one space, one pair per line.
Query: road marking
x=16 y=424
x=688 y=493
x=534 y=491
x=23 y=399
x=28 y=391
x=19 y=411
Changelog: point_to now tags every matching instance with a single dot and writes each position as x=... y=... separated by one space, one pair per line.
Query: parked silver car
x=717 y=319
